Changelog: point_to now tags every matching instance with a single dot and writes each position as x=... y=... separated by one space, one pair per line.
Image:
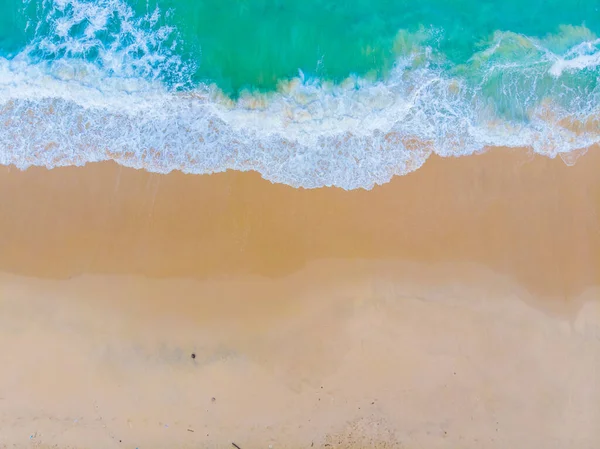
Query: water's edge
x=99 y=83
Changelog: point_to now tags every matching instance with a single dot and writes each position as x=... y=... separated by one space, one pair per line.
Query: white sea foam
x=67 y=110
x=583 y=56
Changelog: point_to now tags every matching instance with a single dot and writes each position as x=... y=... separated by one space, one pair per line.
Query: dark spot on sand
x=193 y=355
x=213 y=399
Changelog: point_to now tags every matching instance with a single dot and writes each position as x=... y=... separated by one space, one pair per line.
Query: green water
x=309 y=93
x=255 y=43
x=242 y=43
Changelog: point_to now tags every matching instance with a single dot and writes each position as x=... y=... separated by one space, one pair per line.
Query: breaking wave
x=98 y=83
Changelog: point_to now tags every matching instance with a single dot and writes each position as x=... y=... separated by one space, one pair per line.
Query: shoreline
x=532 y=218
x=457 y=306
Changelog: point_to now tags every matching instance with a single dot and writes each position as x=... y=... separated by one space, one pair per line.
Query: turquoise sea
x=308 y=93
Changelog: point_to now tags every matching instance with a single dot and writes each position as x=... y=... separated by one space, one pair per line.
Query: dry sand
x=456 y=307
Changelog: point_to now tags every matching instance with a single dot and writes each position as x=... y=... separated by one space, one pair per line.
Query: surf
x=98 y=82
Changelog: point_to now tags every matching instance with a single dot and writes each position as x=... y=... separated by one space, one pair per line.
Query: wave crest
x=72 y=97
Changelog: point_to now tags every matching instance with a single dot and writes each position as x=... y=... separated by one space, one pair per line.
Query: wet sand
x=457 y=306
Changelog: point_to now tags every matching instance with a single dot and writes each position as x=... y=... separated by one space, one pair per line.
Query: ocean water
x=308 y=93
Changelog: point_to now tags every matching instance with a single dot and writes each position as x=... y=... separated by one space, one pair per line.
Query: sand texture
x=455 y=307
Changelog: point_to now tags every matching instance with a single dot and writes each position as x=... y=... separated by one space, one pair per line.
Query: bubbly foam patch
x=72 y=97
x=108 y=35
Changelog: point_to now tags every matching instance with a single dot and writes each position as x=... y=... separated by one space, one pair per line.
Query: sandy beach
x=454 y=307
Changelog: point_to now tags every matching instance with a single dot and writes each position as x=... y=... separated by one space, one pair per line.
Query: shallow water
x=308 y=93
